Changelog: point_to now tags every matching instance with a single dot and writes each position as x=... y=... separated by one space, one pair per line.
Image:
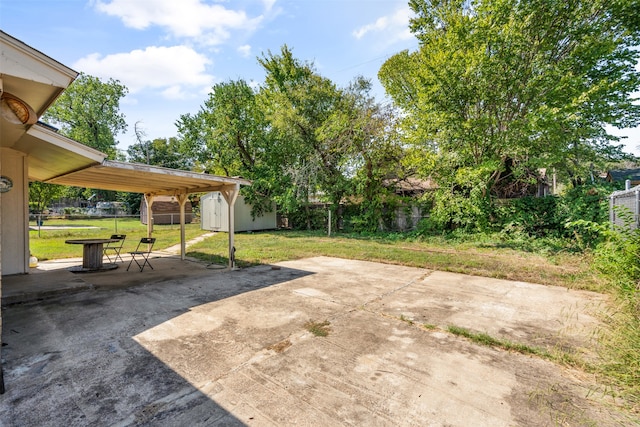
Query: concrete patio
x=184 y=344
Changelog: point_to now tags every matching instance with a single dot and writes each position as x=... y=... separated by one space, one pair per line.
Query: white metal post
x=182 y=199
x=230 y=194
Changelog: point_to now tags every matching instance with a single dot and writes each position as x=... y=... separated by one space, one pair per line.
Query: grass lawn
x=566 y=269
x=47 y=244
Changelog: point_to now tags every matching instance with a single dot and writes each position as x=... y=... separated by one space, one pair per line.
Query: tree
x=41 y=194
x=165 y=152
x=364 y=131
x=230 y=136
x=228 y=131
x=501 y=88
x=298 y=103
x=88 y=112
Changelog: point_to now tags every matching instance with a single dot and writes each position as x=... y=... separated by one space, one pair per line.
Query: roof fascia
x=54 y=138
x=16 y=55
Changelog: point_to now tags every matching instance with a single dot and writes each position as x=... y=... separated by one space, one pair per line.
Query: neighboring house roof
x=410 y=186
x=623 y=175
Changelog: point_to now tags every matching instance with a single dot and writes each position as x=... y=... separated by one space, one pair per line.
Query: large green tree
x=230 y=136
x=41 y=194
x=299 y=104
x=364 y=131
x=89 y=112
x=500 y=88
x=228 y=131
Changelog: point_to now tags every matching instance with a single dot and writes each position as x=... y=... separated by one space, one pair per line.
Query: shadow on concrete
x=69 y=351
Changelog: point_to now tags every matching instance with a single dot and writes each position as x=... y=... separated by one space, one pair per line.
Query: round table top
x=90 y=241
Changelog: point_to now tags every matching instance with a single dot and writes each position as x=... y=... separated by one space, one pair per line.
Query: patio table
x=92 y=255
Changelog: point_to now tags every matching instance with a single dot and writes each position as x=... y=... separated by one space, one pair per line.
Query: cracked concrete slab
x=234 y=348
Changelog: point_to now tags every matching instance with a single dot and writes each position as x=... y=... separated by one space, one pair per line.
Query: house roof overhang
x=51 y=154
x=38 y=80
x=32 y=77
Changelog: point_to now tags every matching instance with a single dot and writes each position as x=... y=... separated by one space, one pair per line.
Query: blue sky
x=170 y=52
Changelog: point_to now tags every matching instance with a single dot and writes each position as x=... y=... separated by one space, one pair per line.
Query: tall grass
x=618 y=261
x=482 y=259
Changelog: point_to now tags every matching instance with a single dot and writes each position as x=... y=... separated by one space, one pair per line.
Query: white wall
x=15 y=214
x=214 y=215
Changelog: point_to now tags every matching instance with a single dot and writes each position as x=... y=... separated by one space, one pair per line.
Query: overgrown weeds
x=487 y=340
x=319 y=329
x=618 y=261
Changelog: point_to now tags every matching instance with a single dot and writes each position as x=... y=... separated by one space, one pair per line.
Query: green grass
x=488 y=340
x=47 y=244
x=564 y=269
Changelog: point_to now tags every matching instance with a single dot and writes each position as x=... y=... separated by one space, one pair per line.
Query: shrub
x=618 y=260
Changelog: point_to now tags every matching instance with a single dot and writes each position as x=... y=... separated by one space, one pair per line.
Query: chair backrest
x=147 y=241
x=120 y=237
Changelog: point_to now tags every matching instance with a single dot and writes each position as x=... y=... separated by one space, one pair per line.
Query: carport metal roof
x=56 y=159
x=138 y=178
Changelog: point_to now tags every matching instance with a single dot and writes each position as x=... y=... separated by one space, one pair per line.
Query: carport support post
x=182 y=199
x=148 y=198
x=230 y=194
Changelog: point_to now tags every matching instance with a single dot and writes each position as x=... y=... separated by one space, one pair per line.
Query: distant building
x=165 y=210
x=622 y=175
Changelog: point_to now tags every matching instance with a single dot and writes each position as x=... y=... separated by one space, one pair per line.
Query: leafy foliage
x=41 y=194
x=499 y=89
x=618 y=259
x=88 y=112
x=165 y=152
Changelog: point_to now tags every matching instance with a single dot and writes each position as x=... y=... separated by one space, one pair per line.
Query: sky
x=169 y=53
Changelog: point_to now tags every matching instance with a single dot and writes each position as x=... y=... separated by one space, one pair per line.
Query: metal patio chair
x=142 y=255
x=116 y=247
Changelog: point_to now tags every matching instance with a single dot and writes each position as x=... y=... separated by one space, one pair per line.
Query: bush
x=580 y=214
x=532 y=216
x=618 y=260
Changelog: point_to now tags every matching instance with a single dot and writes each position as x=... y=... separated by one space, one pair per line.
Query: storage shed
x=165 y=210
x=214 y=214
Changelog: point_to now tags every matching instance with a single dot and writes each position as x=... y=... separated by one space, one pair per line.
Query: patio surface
x=184 y=344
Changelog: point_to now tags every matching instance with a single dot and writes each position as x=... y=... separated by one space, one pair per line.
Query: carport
x=30 y=81
x=55 y=159
x=155 y=181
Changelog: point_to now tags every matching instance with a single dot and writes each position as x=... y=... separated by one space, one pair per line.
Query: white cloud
x=244 y=50
x=209 y=24
x=395 y=27
x=169 y=68
x=268 y=4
